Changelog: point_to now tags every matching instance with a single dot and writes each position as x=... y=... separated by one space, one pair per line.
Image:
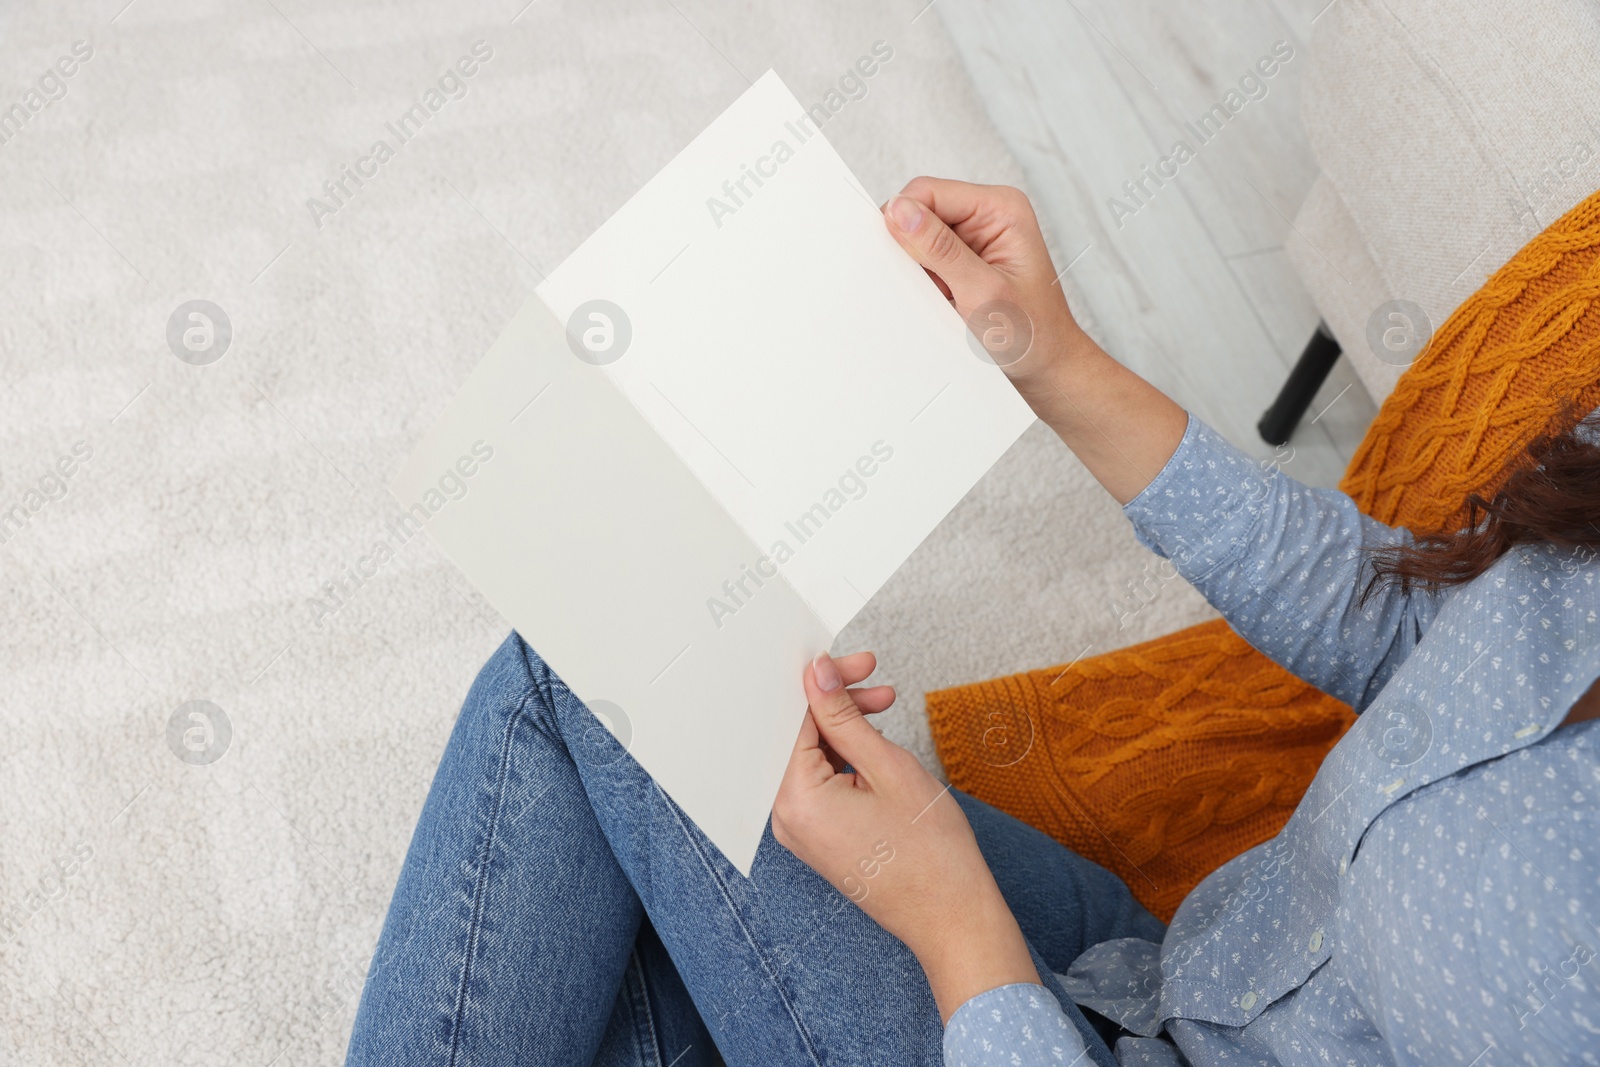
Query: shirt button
x=1344 y=865
x=1247 y=1001
x=1315 y=944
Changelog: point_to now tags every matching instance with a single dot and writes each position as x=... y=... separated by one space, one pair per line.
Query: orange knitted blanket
x=1164 y=760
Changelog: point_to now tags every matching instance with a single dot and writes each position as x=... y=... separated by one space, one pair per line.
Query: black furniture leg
x=1304 y=381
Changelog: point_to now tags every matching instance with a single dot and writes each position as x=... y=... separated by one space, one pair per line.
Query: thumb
x=838 y=720
x=936 y=247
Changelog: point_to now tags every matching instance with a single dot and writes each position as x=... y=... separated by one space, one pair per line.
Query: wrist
x=1122 y=428
x=979 y=948
x=1056 y=359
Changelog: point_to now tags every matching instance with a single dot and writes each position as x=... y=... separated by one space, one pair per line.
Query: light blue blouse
x=1435 y=898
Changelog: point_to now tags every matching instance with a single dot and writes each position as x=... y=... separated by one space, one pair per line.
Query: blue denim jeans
x=556 y=907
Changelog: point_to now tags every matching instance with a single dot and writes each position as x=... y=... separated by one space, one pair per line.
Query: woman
x=1434 y=899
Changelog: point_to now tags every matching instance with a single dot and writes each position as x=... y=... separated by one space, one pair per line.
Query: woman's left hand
x=882 y=831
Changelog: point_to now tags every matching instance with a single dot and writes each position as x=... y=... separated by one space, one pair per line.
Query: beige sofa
x=1448 y=134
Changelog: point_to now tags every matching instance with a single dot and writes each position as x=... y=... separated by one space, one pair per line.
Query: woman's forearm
x=1123 y=428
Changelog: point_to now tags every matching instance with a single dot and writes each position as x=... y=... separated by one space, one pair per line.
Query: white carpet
x=157 y=911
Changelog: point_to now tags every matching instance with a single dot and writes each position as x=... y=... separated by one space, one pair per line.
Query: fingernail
x=906 y=212
x=827 y=674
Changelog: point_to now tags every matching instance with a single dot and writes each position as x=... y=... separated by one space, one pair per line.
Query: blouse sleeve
x=1282 y=562
x=1018 y=1025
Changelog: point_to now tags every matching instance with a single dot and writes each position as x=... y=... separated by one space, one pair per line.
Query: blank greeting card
x=714 y=433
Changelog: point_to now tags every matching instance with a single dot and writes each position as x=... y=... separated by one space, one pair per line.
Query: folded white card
x=731 y=414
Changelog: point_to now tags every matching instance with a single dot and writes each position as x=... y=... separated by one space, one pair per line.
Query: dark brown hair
x=1551 y=495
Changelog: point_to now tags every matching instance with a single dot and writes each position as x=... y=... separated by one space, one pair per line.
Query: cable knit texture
x=1495 y=375
x=1164 y=760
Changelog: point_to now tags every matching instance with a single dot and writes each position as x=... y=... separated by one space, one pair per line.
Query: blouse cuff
x=1203 y=506
x=1017 y=1025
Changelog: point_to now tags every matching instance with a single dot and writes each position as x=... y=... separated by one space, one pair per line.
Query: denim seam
x=539 y=682
x=733 y=911
x=480 y=890
x=645 y=1024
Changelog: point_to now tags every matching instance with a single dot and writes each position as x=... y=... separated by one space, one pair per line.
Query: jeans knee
x=554 y=710
x=515 y=682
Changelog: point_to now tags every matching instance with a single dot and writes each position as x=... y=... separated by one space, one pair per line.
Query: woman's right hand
x=982 y=245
